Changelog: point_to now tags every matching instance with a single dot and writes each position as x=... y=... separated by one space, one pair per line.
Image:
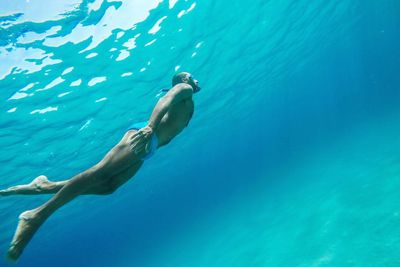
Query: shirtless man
x=170 y=116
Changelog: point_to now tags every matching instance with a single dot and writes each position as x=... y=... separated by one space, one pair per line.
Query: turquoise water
x=291 y=158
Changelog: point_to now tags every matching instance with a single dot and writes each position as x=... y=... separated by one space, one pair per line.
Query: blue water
x=291 y=159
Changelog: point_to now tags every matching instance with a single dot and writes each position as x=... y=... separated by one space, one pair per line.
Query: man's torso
x=176 y=119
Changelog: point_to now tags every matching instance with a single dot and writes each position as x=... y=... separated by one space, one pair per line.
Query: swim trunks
x=153 y=142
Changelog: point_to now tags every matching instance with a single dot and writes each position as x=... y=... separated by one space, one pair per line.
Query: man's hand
x=141 y=141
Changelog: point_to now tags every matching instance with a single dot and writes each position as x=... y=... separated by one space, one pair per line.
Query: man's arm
x=141 y=140
x=178 y=93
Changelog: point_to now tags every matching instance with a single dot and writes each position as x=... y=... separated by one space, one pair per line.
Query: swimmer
x=170 y=116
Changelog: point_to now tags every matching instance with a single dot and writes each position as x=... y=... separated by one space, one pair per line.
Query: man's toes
x=13 y=254
x=5 y=192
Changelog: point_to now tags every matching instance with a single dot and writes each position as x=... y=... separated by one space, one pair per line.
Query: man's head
x=186 y=77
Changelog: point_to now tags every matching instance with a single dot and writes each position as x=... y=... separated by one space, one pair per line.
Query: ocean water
x=292 y=157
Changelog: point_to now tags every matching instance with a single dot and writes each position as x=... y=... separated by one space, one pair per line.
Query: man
x=170 y=116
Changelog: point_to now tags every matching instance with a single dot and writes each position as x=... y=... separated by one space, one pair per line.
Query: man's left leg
x=39 y=185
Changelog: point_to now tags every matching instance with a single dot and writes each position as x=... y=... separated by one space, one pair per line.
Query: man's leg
x=39 y=185
x=120 y=163
x=30 y=221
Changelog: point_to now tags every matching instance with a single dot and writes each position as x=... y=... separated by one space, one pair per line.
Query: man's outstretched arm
x=178 y=93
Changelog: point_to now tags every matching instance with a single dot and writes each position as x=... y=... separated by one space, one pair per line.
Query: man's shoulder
x=181 y=89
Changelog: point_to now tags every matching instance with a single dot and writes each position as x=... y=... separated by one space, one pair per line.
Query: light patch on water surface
x=142 y=69
x=52 y=84
x=126 y=74
x=194 y=54
x=95 y=6
x=120 y=34
x=180 y=14
x=45 y=110
x=47 y=62
x=177 y=67
x=76 y=83
x=198 y=45
x=26 y=88
x=125 y=17
x=97 y=80
x=184 y=12
x=64 y=94
x=156 y=26
x=53 y=9
x=131 y=43
x=191 y=7
x=78 y=35
x=18 y=95
x=172 y=3
x=67 y=70
x=91 y=55
x=101 y=99
x=151 y=42
x=31 y=37
x=14 y=61
x=123 y=54
x=84 y=126
x=11 y=110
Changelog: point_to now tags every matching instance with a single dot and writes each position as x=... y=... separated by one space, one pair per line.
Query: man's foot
x=28 y=224
x=37 y=186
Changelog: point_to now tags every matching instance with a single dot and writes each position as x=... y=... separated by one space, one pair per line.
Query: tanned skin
x=170 y=116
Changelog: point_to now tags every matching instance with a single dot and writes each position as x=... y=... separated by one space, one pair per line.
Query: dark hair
x=178 y=78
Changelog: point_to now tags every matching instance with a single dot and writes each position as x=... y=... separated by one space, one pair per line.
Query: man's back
x=175 y=120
